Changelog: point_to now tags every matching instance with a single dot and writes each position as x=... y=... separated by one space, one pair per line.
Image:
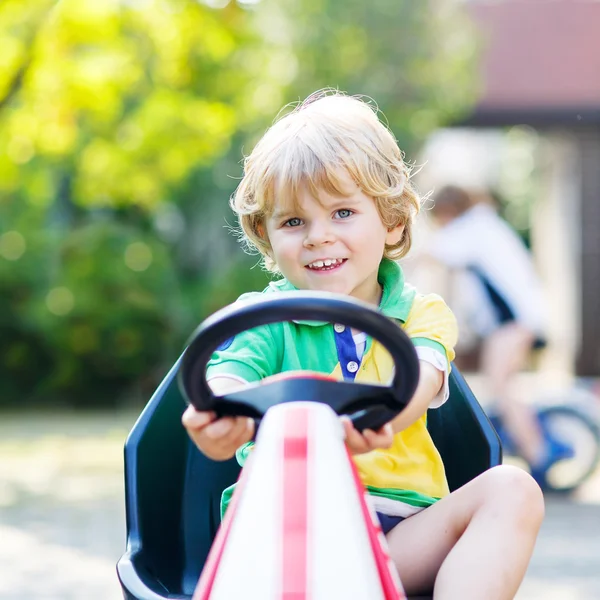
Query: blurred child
x=327 y=200
x=509 y=314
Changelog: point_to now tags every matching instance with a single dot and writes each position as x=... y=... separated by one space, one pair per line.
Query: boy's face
x=332 y=243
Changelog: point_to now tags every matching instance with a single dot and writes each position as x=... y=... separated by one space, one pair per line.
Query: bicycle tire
x=549 y=417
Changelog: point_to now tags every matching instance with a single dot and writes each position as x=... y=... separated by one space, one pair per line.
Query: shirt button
x=338 y=327
x=352 y=366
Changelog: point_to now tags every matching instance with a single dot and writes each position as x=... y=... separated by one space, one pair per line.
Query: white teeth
x=328 y=262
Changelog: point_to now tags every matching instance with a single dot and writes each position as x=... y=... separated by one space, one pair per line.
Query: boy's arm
x=429 y=386
x=430 y=383
x=432 y=328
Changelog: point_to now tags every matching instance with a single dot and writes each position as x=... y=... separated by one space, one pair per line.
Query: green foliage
x=102 y=313
x=129 y=99
x=415 y=59
x=122 y=126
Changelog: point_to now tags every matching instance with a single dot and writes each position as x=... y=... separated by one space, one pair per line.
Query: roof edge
x=536 y=116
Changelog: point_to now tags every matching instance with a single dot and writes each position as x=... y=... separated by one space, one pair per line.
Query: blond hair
x=326 y=135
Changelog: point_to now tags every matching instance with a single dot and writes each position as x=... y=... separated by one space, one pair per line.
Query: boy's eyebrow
x=341 y=200
x=291 y=211
x=280 y=214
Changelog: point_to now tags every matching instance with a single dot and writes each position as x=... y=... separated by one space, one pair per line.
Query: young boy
x=326 y=199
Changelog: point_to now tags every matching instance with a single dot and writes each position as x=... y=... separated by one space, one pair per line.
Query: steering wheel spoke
x=343 y=397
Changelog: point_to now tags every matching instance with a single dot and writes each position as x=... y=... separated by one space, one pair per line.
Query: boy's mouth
x=326 y=264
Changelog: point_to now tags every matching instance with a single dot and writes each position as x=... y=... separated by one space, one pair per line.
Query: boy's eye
x=294 y=222
x=344 y=213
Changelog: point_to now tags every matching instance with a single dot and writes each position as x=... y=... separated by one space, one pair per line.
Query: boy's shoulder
x=428 y=301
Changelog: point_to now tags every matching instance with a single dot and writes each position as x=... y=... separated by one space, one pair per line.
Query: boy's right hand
x=217 y=438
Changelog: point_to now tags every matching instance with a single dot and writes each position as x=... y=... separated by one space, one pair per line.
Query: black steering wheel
x=369 y=406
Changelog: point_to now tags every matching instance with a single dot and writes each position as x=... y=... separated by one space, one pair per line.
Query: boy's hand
x=217 y=438
x=359 y=443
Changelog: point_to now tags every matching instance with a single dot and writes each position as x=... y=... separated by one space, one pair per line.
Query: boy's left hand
x=359 y=443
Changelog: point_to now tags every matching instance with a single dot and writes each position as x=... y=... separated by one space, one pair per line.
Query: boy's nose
x=318 y=234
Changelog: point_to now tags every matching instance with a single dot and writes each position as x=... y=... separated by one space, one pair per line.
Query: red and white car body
x=299 y=526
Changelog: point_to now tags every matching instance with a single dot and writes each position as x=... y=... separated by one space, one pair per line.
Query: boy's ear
x=262 y=232
x=261 y=229
x=394 y=235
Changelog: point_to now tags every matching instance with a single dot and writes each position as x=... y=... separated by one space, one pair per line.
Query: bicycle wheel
x=572 y=428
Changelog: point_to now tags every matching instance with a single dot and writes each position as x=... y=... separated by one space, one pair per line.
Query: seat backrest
x=173 y=491
x=172 y=496
x=463 y=434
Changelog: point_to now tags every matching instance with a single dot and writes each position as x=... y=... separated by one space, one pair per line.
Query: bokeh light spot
x=138 y=256
x=20 y=150
x=12 y=245
x=60 y=301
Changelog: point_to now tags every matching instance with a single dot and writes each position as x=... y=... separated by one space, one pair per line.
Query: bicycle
x=570 y=426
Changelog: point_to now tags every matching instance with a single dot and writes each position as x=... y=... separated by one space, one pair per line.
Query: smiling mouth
x=327 y=264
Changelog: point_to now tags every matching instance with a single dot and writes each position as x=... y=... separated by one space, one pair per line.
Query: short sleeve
x=432 y=327
x=432 y=324
x=249 y=356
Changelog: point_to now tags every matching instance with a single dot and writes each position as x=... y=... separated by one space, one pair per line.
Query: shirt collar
x=396 y=300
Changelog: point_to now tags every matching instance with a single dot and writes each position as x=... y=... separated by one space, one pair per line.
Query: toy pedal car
x=280 y=538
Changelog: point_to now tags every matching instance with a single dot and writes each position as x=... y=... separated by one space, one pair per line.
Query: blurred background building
x=533 y=138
